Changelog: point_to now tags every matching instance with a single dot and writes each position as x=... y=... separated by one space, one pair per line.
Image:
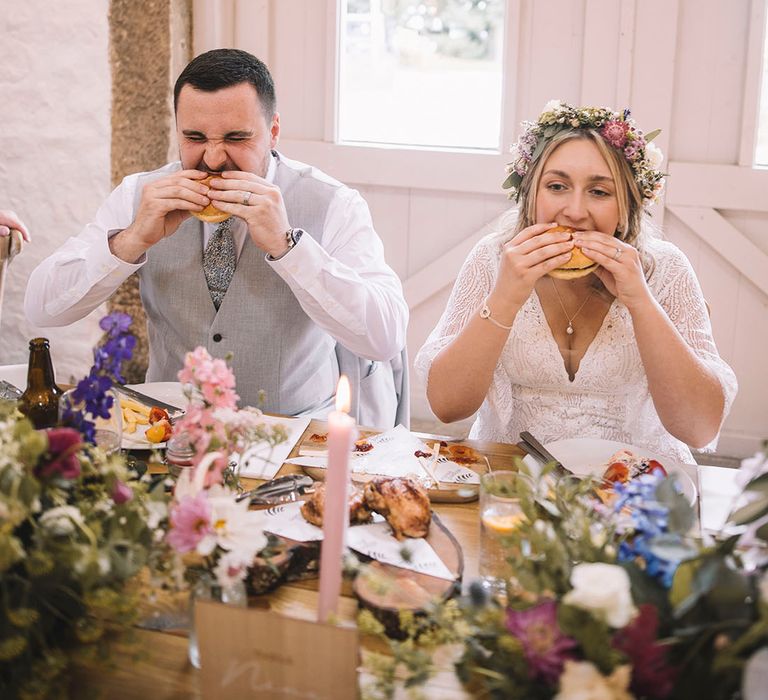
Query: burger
x=211 y=215
x=579 y=264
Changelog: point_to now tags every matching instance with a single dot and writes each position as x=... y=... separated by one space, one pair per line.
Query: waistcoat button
x=217 y=337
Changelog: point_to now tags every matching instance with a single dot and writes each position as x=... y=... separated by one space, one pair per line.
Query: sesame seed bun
x=210 y=214
x=579 y=264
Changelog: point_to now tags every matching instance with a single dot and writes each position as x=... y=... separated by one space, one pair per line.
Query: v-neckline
x=553 y=342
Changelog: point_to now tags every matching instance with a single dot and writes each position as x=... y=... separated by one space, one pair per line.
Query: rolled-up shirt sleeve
x=83 y=272
x=343 y=283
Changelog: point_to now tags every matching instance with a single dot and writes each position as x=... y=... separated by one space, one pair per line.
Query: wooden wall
x=689 y=67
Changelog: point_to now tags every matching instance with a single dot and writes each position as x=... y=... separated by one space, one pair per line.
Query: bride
x=623 y=352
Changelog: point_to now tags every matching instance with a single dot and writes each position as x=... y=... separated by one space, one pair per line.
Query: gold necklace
x=569 y=329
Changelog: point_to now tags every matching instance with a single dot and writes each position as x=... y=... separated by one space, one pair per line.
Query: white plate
x=588 y=456
x=168 y=392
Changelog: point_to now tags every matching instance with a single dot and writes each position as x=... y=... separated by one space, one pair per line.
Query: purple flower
x=61 y=458
x=545 y=647
x=116 y=323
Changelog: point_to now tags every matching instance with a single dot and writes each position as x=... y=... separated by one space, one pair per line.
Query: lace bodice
x=609 y=396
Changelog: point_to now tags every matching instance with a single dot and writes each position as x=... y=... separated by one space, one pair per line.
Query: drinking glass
x=108 y=431
x=500 y=514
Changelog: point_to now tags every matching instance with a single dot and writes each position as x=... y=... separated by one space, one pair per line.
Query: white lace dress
x=608 y=397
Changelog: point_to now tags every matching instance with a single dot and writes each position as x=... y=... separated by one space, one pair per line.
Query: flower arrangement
x=213 y=532
x=613 y=601
x=74 y=531
x=618 y=130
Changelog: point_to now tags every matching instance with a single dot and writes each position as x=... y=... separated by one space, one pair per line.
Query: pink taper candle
x=341 y=434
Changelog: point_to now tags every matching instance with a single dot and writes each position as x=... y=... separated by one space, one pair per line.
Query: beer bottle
x=40 y=401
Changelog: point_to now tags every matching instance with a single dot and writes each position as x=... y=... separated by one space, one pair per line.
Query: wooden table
x=156 y=666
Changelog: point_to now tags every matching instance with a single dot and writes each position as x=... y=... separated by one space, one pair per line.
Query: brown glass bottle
x=40 y=401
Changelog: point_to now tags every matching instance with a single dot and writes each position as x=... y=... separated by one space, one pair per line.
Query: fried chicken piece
x=404 y=504
x=314 y=507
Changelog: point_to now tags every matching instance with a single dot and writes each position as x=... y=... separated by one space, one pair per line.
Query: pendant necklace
x=569 y=329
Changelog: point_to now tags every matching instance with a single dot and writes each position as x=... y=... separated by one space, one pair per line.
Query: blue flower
x=116 y=324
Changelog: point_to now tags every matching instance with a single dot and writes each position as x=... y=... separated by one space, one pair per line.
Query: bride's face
x=577 y=189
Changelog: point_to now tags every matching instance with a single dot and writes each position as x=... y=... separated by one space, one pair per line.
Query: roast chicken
x=313 y=508
x=403 y=502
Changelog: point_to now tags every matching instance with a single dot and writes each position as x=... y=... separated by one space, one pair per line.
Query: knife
x=280 y=490
x=534 y=448
x=148 y=400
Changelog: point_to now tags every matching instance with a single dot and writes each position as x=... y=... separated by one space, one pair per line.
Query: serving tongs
x=530 y=445
x=284 y=489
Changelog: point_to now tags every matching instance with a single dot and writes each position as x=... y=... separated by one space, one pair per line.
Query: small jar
x=179 y=454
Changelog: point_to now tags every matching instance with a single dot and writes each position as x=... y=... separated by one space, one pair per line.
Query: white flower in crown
x=654 y=156
x=552 y=106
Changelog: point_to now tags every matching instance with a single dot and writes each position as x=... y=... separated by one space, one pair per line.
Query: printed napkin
x=262 y=462
x=374 y=540
x=393 y=453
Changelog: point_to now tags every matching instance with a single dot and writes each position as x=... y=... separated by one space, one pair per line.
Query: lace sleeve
x=678 y=291
x=473 y=284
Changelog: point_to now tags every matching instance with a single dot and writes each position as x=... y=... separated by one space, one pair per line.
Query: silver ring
x=247 y=198
x=619 y=251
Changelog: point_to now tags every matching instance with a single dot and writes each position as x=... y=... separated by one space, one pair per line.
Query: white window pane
x=761 y=152
x=421 y=72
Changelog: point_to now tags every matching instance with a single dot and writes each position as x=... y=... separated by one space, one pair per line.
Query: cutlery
x=281 y=490
x=148 y=400
x=9 y=391
x=534 y=448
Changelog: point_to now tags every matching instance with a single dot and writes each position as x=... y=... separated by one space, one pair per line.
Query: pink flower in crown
x=191 y=523
x=615 y=132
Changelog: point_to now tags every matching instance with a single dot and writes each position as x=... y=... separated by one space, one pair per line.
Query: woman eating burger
x=575 y=319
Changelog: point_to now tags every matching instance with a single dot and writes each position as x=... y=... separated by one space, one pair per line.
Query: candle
x=341 y=434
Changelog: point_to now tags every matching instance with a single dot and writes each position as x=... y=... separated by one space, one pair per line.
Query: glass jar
x=179 y=454
x=208 y=588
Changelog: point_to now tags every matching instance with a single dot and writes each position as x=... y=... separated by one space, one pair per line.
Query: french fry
x=135 y=406
x=132 y=416
x=129 y=427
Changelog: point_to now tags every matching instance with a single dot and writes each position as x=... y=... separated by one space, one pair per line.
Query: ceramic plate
x=169 y=392
x=588 y=456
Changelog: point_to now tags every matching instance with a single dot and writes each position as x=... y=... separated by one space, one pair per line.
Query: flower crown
x=616 y=128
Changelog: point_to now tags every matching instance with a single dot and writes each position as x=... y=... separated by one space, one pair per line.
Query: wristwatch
x=292 y=236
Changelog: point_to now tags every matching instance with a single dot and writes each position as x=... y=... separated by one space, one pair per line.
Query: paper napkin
x=262 y=462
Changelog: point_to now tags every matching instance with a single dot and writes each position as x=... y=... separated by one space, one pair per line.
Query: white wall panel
x=680 y=65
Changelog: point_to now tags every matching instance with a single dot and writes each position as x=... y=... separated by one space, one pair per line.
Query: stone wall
x=54 y=151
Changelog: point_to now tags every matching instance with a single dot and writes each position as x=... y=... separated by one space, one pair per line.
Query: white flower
x=61 y=520
x=654 y=155
x=234 y=527
x=231 y=568
x=157 y=511
x=552 y=106
x=603 y=590
x=582 y=681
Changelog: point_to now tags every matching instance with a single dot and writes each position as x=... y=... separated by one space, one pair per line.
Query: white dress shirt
x=343 y=283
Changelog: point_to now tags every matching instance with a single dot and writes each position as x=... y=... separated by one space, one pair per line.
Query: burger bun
x=579 y=264
x=211 y=215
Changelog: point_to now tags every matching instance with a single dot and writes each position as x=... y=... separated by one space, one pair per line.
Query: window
x=421 y=72
x=761 y=151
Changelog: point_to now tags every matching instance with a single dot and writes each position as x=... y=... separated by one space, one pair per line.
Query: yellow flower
x=23 y=617
x=11 y=647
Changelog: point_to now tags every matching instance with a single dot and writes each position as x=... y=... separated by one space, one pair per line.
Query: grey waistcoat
x=276 y=347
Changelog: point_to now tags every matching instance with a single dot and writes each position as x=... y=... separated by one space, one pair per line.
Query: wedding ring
x=247 y=198
x=619 y=251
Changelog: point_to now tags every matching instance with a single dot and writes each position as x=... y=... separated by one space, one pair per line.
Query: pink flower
x=545 y=647
x=121 y=493
x=615 y=133
x=61 y=457
x=190 y=523
x=212 y=378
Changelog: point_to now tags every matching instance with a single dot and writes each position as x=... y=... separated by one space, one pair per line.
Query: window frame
x=750 y=120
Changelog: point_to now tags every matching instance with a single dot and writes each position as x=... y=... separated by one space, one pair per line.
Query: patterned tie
x=219 y=261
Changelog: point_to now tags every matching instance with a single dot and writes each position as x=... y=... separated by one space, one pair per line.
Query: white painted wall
x=689 y=67
x=54 y=151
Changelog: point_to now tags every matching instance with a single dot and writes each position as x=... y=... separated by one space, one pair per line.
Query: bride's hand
x=530 y=255
x=619 y=268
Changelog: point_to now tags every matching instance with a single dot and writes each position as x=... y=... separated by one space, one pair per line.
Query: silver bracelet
x=485 y=312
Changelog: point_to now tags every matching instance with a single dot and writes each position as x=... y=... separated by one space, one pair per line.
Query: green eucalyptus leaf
x=652 y=135
x=762 y=532
x=681 y=514
x=760 y=484
x=750 y=512
x=672 y=547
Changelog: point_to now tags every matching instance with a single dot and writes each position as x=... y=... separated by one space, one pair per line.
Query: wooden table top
x=156 y=664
